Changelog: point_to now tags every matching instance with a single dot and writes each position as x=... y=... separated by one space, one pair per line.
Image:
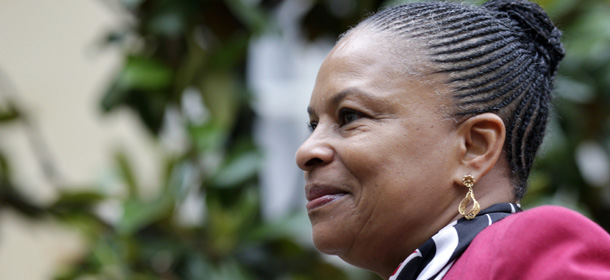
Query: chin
x=330 y=242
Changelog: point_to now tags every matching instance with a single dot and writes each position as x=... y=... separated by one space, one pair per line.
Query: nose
x=315 y=151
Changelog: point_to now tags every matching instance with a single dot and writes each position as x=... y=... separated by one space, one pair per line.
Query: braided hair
x=500 y=57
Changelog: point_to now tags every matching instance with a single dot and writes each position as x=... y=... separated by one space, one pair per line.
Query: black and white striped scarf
x=436 y=256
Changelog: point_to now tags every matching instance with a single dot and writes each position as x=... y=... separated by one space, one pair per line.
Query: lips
x=320 y=195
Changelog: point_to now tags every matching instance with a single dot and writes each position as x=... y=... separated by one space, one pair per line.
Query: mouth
x=318 y=196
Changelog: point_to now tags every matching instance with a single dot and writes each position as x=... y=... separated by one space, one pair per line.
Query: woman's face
x=378 y=163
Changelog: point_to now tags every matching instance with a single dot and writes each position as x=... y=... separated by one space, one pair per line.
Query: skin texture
x=390 y=159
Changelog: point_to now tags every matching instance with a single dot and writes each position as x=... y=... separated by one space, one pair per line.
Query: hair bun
x=538 y=29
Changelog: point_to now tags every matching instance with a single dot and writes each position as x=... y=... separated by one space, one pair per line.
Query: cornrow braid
x=499 y=58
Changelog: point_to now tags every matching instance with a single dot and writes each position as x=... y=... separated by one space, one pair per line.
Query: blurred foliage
x=573 y=169
x=177 y=51
x=184 y=70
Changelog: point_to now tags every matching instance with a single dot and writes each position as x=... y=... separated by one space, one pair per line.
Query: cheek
x=382 y=157
x=365 y=154
x=404 y=169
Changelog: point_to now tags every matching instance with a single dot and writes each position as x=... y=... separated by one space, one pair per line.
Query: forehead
x=384 y=49
x=376 y=63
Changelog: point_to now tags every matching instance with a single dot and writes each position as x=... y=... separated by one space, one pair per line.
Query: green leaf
x=114 y=97
x=589 y=35
x=574 y=90
x=5 y=168
x=238 y=170
x=294 y=226
x=208 y=137
x=141 y=84
x=11 y=197
x=132 y=4
x=193 y=63
x=77 y=207
x=127 y=173
x=138 y=213
x=249 y=14
x=9 y=114
x=223 y=229
x=144 y=73
x=219 y=95
x=229 y=269
x=78 y=199
x=168 y=23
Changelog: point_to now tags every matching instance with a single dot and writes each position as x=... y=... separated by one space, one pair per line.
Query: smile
x=319 y=196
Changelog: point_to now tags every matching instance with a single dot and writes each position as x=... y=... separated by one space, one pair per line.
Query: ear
x=481 y=139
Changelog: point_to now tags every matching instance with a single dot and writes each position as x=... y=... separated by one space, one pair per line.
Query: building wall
x=53 y=66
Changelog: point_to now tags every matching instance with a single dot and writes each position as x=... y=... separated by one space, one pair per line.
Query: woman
x=421 y=116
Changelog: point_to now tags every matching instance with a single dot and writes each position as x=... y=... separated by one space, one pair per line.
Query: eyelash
x=343 y=113
x=312 y=126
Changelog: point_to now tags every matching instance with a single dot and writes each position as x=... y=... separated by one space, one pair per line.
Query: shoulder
x=547 y=242
x=548 y=222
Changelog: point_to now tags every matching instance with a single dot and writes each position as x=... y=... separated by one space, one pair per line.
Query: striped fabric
x=436 y=256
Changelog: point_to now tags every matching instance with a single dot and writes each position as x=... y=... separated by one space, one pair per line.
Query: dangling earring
x=469 y=182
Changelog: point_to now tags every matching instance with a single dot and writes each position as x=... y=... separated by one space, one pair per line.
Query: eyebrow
x=350 y=92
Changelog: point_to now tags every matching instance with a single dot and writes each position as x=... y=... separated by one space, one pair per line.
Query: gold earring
x=469 y=182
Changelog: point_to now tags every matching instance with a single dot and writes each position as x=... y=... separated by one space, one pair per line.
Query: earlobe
x=481 y=140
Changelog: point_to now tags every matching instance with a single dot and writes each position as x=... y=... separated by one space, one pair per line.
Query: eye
x=312 y=125
x=348 y=115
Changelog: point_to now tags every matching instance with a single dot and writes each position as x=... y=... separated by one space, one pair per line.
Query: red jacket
x=547 y=242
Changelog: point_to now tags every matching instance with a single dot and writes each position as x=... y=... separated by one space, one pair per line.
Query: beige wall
x=50 y=51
